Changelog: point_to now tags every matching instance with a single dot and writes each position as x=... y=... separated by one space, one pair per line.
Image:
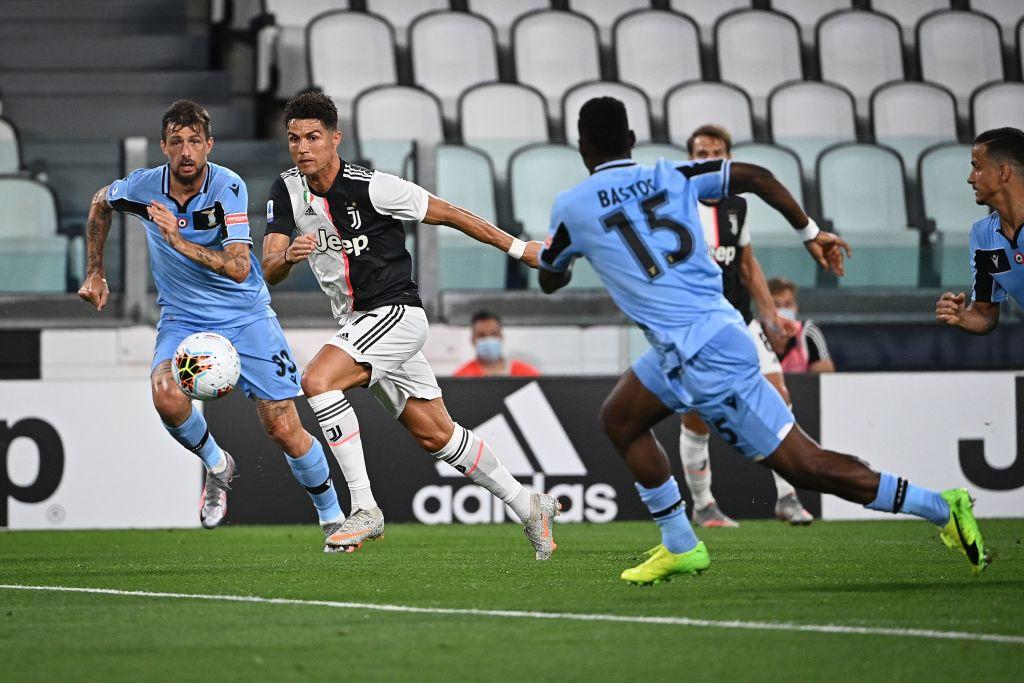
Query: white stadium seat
x=758 y=50
x=807 y=117
x=389 y=120
x=998 y=105
x=553 y=52
x=401 y=14
x=648 y=153
x=503 y=13
x=694 y=104
x=976 y=58
x=1007 y=13
x=10 y=156
x=910 y=117
x=605 y=13
x=707 y=14
x=499 y=118
x=809 y=12
x=860 y=51
x=284 y=44
x=908 y=13
x=637 y=110
x=452 y=51
x=33 y=257
x=656 y=50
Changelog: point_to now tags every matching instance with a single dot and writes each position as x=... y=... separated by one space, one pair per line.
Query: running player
x=997 y=260
x=728 y=239
x=207 y=280
x=638 y=226
x=348 y=222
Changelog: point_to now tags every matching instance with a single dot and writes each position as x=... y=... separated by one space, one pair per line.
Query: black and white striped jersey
x=360 y=258
x=725 y=229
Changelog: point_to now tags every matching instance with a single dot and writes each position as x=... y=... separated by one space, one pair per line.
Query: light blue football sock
x=312 y=471
x=669 y=512
x=194 y=435
x=896 y=494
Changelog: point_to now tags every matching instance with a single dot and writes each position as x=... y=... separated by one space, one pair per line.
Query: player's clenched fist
x=300 y=248
x=950 y=308
x=95 y=291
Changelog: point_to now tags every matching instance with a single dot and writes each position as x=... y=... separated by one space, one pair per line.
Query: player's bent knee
x=172 y=405
x=314 y=383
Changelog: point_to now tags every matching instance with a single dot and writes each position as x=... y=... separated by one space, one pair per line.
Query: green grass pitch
x=893 y=575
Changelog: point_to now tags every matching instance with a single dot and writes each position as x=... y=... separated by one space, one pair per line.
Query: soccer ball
x=206 y=366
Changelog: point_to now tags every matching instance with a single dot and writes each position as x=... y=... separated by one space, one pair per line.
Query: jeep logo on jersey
x=553 y=452
x=723 y=255
x=329 y=241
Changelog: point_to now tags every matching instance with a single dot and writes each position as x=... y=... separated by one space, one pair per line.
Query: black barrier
x=408 y=487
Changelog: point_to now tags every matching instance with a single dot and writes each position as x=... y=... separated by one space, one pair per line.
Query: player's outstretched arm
x=440 y=212
x=824 y=247
x=280 y=254
x=94 y=289
x=232 y=261
x=978 y=317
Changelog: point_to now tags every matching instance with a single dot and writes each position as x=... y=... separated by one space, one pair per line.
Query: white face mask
x=490 y=349
x=787 y=313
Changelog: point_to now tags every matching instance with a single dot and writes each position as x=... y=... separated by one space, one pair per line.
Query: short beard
x=185 y=180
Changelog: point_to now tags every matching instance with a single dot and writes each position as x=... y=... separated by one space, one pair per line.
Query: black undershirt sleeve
x=279 y=213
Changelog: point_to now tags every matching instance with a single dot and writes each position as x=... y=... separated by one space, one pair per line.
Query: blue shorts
x=723 y=383
x=269 y=371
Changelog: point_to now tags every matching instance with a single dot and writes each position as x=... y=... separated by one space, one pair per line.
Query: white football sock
x=470 y=455
x=782 y=487
x=693 y=449
x=341 y=428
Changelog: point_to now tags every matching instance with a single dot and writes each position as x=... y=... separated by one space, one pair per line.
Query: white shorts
x=389 y=339
x=770 y=364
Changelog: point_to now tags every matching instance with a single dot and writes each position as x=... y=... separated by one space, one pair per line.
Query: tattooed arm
x=232 y=262
x=94 y=289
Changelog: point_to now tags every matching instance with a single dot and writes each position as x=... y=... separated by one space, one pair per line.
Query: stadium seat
x=655 y=50
x=1007 y=13
x=469 y=55
x=10 y=158
x=74 y=170
x=808 y=13
x=860 y=51
x=554 y=51
x=777 y=248
x=637 y=110
x=808 y=117
x=997 y=105
x=391 y=120
x=910 y=117
x=33 y=257
x=367 y=61
x=758 y=50
x=863 y=195
x=283 y=44
x=503 y=13
x=908 y=13
x=499 y=118
x=402 y=13
x=648 y=153
x=707 y=14
x=604 y=13
x=465 y=178
x=690 y=105
x=976 y=60
x=537 y=174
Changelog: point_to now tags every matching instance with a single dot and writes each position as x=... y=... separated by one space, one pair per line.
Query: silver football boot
x=790 y=509
x=214 y=500
x=361 y=525
x=711 y=516
x=539 y=528
x=329 y=529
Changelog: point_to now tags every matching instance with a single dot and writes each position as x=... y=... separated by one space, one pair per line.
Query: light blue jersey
x=216 y=216
x=639 y=228
x=997 y=263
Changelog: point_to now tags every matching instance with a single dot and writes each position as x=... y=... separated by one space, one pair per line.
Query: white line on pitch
x=568 y=616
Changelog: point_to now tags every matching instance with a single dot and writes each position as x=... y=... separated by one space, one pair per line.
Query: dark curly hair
x=1004 y=144
x=603 y=124
x=312 y=105
x=186 y=114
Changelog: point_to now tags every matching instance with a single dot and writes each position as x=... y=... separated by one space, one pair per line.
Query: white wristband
x=809 y=231
x=517 y=248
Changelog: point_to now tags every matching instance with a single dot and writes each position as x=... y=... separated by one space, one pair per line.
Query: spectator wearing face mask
x=489 y=343
x=807 y=350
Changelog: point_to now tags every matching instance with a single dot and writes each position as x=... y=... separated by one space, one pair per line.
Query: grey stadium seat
x=10 y=157
x=637 y=110
x=537 y=174
x=808 y=13
x=693 y=104
x=860 y=51
x=605 y=13
x=808 y=117
x=33 y=257
x=368 y=59
x=707 y=14
x=401 y=14
x=499 y=118
x=976 y=59
x=452 y=51
x=553 y=52
x=778 y=249
x=997 y=105
x=758 y=50
x=284 y=44
x=656 y=50
x=465 y=178
x=647 y=154
x=503 y=13
x=908 y=13
x=1007 y=13
x=863 y=194
x=391 y=120
x=910 y=117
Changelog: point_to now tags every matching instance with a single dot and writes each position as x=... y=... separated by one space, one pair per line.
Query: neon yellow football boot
x=962 y=532
x=662 y=564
